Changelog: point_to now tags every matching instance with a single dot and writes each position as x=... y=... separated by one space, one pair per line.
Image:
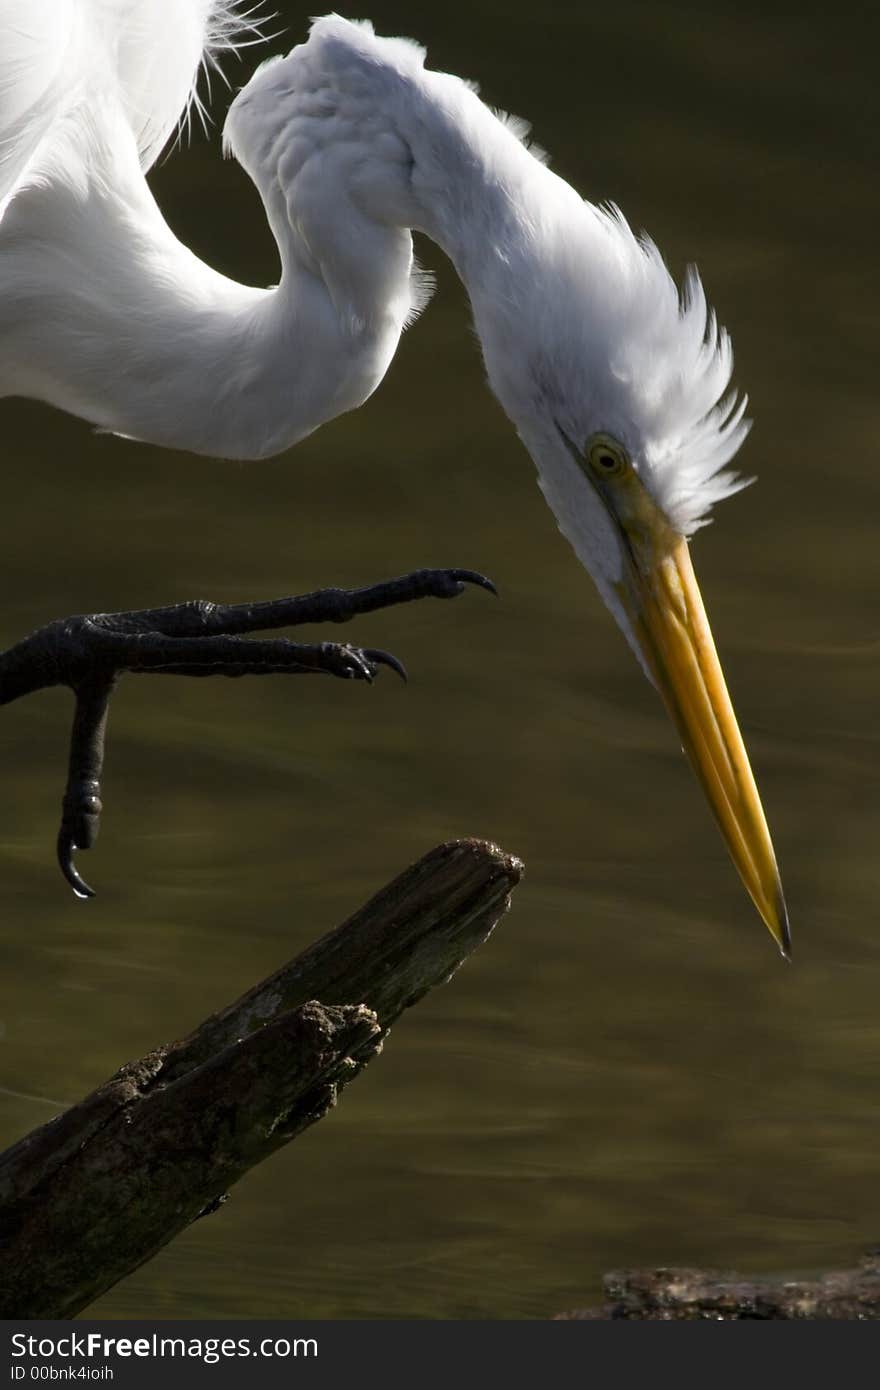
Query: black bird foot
x=90 y=652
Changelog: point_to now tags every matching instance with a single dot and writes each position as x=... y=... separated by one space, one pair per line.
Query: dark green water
x=627 y=1073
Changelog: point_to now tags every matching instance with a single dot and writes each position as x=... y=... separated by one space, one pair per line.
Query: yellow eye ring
x=607 y=458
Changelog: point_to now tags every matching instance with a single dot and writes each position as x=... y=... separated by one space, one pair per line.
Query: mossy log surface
x=678 y=1295
x=102 y=1187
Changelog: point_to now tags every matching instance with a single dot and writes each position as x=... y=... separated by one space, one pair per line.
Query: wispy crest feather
x=232 y=26
x=679 y=365
x=654 y=366
x=59 y=58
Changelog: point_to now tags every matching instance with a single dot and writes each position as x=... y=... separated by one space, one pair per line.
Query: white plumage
x=352 y=143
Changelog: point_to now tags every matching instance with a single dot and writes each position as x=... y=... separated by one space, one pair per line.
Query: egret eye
x=606 y=457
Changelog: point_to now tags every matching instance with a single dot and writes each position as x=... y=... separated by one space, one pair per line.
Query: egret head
x=631 y=424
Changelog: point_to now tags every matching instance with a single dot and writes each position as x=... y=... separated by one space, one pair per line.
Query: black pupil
x=607 y=460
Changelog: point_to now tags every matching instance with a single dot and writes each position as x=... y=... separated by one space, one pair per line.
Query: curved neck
x=476 y=185
x=117 y=322
x=107 y=315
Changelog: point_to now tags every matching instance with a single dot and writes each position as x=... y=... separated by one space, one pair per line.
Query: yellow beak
x=672 y=629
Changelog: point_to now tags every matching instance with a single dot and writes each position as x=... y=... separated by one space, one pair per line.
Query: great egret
x=617 y=385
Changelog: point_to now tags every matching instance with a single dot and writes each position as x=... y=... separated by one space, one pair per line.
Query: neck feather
x=114 y=320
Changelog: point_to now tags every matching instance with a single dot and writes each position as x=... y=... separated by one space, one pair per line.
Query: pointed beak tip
x=775 y=917
x=785 y=947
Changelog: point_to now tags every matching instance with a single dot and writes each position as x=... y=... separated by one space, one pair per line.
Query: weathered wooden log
x=677 y=1295
x=96 y=1192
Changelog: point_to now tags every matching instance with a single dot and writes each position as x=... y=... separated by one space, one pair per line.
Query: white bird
x=617 y=384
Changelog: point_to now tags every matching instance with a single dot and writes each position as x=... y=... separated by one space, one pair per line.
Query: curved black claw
x=89 y=652
x=462 y=577
x=376 y=657
x=66 y=847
